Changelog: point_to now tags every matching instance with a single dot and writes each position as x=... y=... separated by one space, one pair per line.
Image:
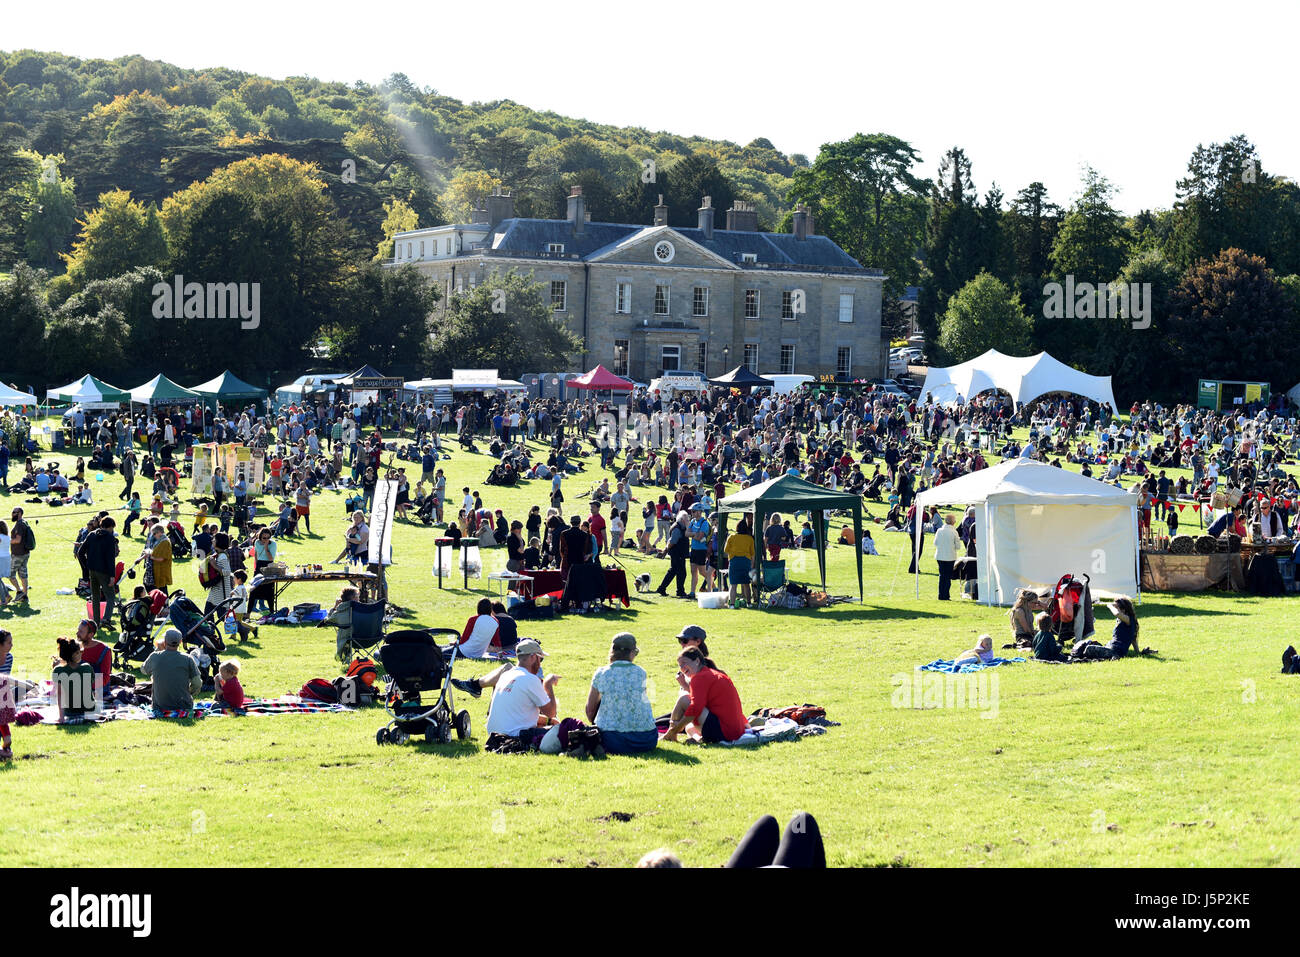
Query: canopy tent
x=370 y=379
x=601 y=379
x=91 y=393
x=787 y=493
x=1035 y=522
x=742 y=378
x=227 y=387
x=161 y=390
x=10 y=396
x=1024 y=378
x=474 y=380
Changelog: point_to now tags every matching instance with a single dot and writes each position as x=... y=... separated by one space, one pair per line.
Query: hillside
x=153 y=128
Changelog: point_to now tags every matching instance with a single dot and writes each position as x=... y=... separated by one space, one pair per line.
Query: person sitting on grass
x=617 y=703
x=981 y=653
x=523 y=703
x=175 y=675
x=714 y=714
x=1044 y=642
x=230 y=693
x=1123 y=638
x=481 y=632
x=74 y=682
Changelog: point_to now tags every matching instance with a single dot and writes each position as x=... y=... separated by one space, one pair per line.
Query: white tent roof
x=10 y=396
x=1024 y=378
x=1021 y=480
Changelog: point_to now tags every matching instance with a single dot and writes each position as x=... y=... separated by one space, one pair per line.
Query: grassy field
x=1184 y=759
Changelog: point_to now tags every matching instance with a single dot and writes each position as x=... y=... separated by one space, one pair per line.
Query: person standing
x=100 y=552
x=128 y=474
x=946 y=542
x=21 y=543
x=678 y=548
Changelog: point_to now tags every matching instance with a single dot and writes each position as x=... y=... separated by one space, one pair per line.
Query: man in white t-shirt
x=523 y=704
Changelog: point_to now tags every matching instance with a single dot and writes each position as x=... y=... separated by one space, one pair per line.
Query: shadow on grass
x=1173 y=610
x=18 y=610
x=457 y=749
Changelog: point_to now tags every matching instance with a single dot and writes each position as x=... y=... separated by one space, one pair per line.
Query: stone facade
x=799 y=307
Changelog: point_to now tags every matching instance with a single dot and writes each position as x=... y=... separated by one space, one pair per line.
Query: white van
x=783 y=384
x=669 y=385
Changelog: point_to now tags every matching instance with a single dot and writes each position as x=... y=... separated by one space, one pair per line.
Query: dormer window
x=555 y=247
x=749 y=257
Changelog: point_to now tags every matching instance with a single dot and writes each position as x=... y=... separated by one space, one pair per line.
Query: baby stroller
x=139 y=616
x=415 y=665
x=202 y=631
x=181 y=546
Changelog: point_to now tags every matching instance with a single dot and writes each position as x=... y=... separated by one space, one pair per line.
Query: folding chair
x=367 y=629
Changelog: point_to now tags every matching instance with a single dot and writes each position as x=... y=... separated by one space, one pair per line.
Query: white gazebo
x=1024 y=378
x=1035 y=522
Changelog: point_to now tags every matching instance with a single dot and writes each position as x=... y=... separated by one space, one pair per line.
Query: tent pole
x=916 y=547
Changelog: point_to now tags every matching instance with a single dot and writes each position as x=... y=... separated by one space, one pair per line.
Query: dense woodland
x=119 y=174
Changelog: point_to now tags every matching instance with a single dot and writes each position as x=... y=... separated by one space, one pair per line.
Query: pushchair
x=202 y=631
x=416 y=665
x=181 y=546
x=139 y=617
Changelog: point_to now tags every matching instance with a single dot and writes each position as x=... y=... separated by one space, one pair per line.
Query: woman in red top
x=96 y=654
x=714 y=713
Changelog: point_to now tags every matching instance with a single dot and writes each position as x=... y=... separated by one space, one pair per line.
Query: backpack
x=29 y=537
x=319 y=689
x=209 y=573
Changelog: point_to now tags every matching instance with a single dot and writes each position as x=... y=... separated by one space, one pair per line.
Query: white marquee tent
x=10 y=396
x=1024 y=378
x=1035 y=522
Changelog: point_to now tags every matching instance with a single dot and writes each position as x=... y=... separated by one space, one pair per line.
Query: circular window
x=664 y=251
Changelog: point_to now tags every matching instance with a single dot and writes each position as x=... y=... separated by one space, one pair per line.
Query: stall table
x=548 y=581
x=367 y=582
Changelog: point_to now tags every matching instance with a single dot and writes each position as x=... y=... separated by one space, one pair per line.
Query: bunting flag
x=1181 y=506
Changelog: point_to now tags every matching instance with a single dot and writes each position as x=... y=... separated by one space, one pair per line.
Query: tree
x=18 y=168
x=504 y=323
x=51 y=213
x=388 y=319
x=866 y=198
x=984 y=314
x=956 y=247
x=1092 y=244
x=398 y=218
x=1224 y=201
x=1030 y=225
x=1231 y=318
x=117 y=236
x=24 y=314
x=467 y=192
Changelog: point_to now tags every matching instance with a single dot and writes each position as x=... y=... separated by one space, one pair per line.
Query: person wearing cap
x=618 y=704
x=175 y=675
x=523 y=704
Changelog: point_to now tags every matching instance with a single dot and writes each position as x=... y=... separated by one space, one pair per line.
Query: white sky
x=1029 y=90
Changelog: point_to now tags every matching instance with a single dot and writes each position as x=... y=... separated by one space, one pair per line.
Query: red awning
x=600 y=378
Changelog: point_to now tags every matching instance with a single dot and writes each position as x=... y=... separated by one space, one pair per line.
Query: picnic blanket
x=40 y=708
x=967 y=667
x=776 y=729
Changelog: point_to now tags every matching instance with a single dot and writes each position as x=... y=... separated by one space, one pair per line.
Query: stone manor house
x=650 y=299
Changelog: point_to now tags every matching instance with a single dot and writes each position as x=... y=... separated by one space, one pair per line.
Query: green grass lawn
x=1185 y=759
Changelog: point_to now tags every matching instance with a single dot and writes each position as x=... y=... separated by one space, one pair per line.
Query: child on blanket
x=230 y=693
x=982 y=653
x=1045 y=646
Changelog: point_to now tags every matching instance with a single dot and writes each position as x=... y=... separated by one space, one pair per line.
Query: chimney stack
x=706 y=217
x=742 y=217
x=500 y=205
x=577 y=210
x=799 y=223
x=661 y=212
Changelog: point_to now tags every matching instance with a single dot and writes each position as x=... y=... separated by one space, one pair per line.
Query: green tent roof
x=88 y=389
x=788 y=493
x=229 y=386
x=161 y=390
